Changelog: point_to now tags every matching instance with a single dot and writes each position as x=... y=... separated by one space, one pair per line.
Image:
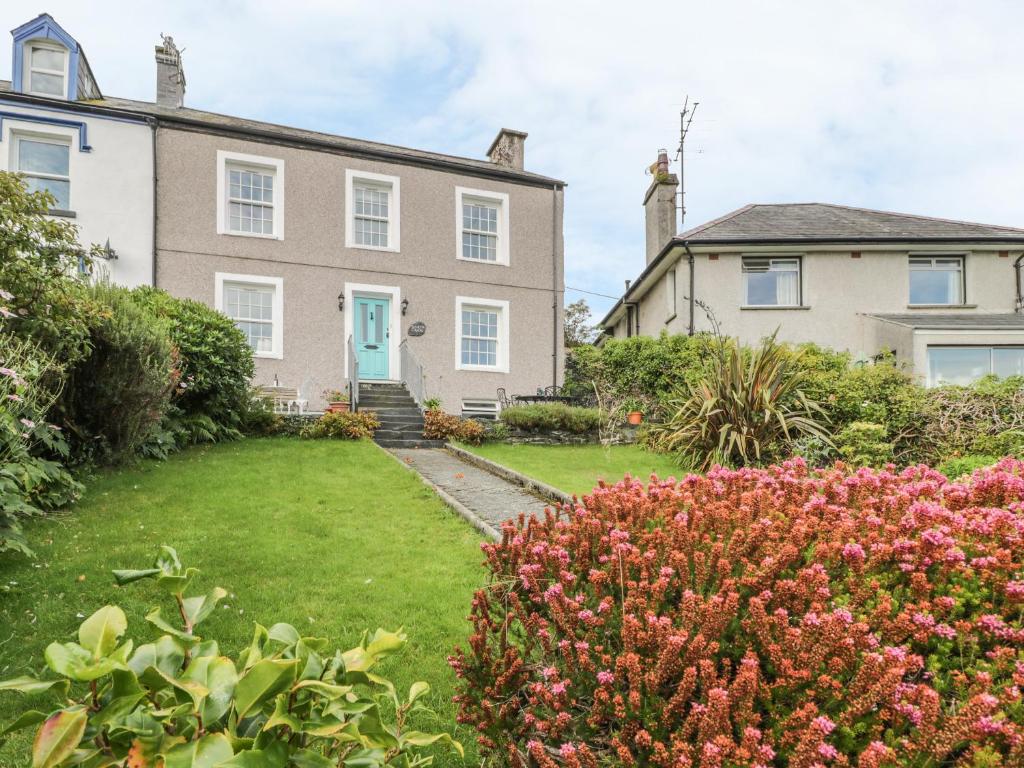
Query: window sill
x=268 y=355
x=942 y=306
x=255 y=235
x=377 y=248
x=62 y=213
x=482 y=368
x=482 y=261
x=773 y=308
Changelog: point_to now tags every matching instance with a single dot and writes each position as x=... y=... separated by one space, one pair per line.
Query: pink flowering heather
x=758 y=618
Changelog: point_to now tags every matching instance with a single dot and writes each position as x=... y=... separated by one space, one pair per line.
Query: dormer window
x=46 y=69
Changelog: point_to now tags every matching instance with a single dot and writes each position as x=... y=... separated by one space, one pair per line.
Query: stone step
x=402 y=413
x=364 y=387
x=410 y=432
x=390 y=443
x=378 y=401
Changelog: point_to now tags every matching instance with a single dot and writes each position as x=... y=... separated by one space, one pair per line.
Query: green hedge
x=548 y=417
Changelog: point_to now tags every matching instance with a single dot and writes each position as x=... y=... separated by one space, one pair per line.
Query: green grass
x=333 y=537
x=577 y=468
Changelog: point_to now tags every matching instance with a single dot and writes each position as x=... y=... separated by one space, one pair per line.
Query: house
x=97 y=162
x=347 y=259
x=943 y=296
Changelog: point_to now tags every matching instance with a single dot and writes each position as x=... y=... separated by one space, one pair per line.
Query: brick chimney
x=170 y=77
x=660 y=206
x=508 y=149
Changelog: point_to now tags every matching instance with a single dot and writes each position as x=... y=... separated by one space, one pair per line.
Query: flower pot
x=337 y=406
x=635 y=417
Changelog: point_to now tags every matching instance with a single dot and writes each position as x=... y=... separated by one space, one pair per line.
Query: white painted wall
x=111 y=186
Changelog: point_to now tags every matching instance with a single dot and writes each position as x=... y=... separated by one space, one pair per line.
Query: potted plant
x=634 y=414
x=337 y=401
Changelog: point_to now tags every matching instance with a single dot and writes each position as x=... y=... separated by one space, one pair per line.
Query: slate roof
x=216 y=122
x=822 y=222
x=955 y=322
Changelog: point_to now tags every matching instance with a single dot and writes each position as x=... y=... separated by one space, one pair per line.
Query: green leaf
x=125 y=694
x=273 y=755
x=281 y=716
x=58 y=737
x=31 y=685
x=366 y=655
x=72 y=660
x=199 y=608
x=284 y=633
x=328 y=690
x=307 y=758
x=418 y=689
x=158 y=621
x=123 y=577
x=166 y=654
x=209 y=751
x=266 y=679
x=100 y=632
x=420 y=739
x=25 y=720
x=217 y=674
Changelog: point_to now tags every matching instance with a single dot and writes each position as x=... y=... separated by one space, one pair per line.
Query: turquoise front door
x=372 y=336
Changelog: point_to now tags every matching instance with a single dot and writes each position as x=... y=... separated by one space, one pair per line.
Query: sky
x=915 y=107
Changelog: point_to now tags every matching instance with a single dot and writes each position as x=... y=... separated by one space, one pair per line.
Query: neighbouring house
x=95 y=161
x=335 y=254
x=943 y=296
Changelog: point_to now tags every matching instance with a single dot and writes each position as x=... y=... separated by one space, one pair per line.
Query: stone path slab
x=488 y=497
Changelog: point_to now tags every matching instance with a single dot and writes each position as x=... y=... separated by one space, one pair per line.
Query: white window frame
x=961 y=257
x=27 y=68
x=770 y=259
x=64 y=140
x=671 y=296
x=464 y=194
x=257 y=281
x=480 y=408
x=393 y=184
x=990 y=348
x=468 y=302
x=253 y=163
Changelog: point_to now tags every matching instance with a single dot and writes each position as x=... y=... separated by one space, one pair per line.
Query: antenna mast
x=685 y=118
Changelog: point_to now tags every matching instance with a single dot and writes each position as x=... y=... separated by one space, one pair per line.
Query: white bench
x=285 y=399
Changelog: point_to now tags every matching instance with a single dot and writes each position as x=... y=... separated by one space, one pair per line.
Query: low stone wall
x=623 y=435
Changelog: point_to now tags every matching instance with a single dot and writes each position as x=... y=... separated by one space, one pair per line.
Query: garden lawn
x=333 y=537
x=577 y=468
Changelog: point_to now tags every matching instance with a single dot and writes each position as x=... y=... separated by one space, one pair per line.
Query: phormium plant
x=179 y=702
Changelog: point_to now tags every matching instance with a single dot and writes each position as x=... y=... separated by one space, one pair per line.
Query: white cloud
x=904 y=105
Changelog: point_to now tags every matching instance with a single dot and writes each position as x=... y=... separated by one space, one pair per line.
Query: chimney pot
x=170 y=77
x=508 y=149
x=660 y=206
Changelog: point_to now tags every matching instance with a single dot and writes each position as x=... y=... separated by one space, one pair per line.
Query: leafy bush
x=258 y=417
x=215 y=364
x=863 y=444
x=116 y=397
x=954 y=469
x=438 y=425
x=547 y=417
x=747 y=408
x=342 y=426
x=757 y=617
x=178 y=701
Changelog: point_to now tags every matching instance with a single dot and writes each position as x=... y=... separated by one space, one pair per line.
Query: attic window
x=46 y=69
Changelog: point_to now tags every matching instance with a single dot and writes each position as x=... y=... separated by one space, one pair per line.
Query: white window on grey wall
x=46 y=69
x=255 y=304
x=373 y=203
x=771 y=282
x=482 y=338
x=250 y=200
x=45 y=165
x=936 y=279
x=965 y=365
x=482 y=222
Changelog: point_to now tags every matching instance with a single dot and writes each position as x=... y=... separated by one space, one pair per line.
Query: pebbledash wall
x=110 y=164
x=312 y=264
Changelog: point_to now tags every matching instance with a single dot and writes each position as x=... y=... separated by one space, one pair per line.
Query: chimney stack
x=660 y=206
x=508 y=149
x=170 y=77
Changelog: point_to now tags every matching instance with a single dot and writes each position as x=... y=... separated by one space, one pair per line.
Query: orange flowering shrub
x=438 y=425
x=758 y=617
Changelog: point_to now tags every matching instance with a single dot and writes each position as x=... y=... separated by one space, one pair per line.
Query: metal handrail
x=412 y=372
x=353 y=375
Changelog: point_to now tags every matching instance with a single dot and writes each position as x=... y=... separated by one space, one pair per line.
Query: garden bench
x=284 y=399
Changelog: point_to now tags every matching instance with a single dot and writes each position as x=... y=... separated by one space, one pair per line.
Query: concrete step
x=387 y=443
x=383 y=388
x=409 y=433
x=401 y=413
x=386 y=401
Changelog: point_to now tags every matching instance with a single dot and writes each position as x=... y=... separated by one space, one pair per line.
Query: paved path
x=488 y=497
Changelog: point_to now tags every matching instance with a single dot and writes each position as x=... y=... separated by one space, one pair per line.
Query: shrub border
x=536 y=487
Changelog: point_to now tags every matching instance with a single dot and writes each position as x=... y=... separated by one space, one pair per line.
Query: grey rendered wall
x=314 y=263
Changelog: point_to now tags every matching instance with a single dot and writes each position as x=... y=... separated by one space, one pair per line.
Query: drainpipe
x=1017 y=266
x=153 y=126
x=554 y=285
x=690 y=261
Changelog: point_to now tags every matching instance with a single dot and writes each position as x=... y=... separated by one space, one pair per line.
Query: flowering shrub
x=758 y=617
x=342 y=426
x=438 y=425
